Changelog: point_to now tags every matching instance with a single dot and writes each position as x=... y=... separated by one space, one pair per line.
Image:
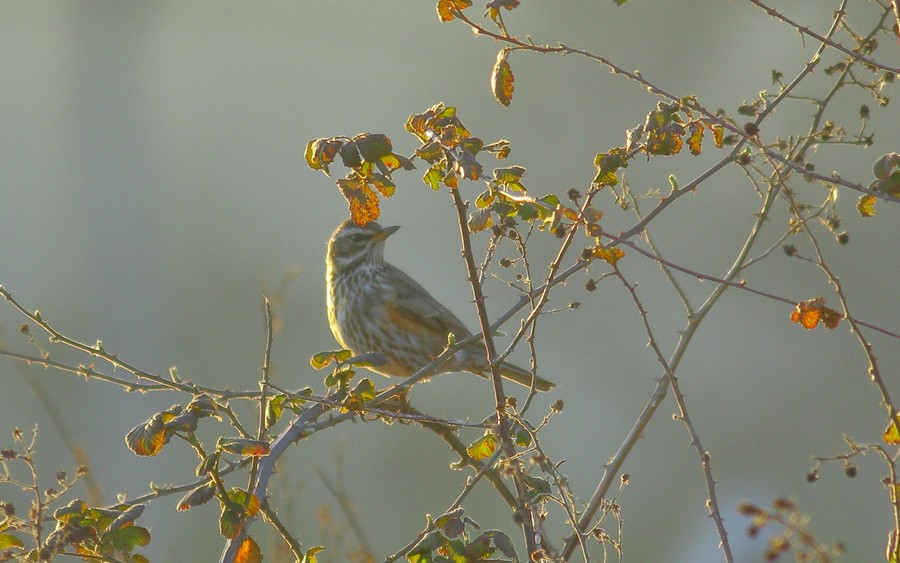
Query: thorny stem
x=712 y=501
x=503 y=423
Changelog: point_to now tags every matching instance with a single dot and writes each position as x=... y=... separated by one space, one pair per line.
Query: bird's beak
x=386 y=232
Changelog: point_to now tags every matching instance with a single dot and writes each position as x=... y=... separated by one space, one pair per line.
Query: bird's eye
x=357 y=237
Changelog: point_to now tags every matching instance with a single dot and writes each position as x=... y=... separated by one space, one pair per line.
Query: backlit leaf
x=320 y=153
x=483 y=447
x=696 y=138
x=445 y=8
x=502 y=79
x=608 y=254
x=809 y=313
x=230 y=522
x=467 y=167
x=891 y=434
x=866 y=205
x=382 y=184
x=607 y=164
x=244 y=446
x=433 y=177
x=248 y=552
x=310 y=555
x=373 y=146
x=196 y=497
x=148 y=439
x=322 y=359
x=361 y=199
x=480 y=220
x=350 y=155
x=8 y=541
x=125 y=539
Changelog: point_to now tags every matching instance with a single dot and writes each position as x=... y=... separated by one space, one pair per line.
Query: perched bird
x=375 y=307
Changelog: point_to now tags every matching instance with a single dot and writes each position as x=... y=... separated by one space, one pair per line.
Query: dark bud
x=9 y=454
x=497 y=231
x=747 y=509
x=751 y=129
x=25 y=329
x=505 y=262
x=783 y=504
x=812 y=476
x=82 y=470
x=591 y=285
x=743 y=159
x=850 y=471
x=586 y=253
x=574 y=305
x=789 y=249
x=61 y=476
x=517 y=517
x=625 y=478
x=843 y=238
x=560 y=232
x=864 y=112
x=575 y=195
x=557 y=406
x=8 y=509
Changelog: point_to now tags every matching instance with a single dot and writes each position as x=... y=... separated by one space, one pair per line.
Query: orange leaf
x=808 y=314
x=248 y=552
x=805 y=316
x=362 y=201
x=502 y=79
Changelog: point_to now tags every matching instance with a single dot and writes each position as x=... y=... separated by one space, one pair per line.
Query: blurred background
x=153 y=189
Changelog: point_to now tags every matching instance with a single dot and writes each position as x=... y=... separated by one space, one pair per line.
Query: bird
x=374 y=306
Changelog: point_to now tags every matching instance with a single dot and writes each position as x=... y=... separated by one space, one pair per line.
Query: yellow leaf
x=891 y=434
x=611 y=255
x=696 y=138
x=483 y=447
x=502 y=79
x=445 y=8
x=866 y=205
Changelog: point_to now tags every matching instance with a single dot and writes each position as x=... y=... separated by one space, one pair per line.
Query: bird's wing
x=414 y=301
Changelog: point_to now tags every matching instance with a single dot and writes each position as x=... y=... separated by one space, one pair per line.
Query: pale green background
x=152 y=187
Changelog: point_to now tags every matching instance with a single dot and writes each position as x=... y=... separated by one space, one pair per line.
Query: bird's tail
x=524 y=377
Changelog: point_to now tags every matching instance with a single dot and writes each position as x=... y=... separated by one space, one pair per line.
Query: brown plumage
x=375 y=307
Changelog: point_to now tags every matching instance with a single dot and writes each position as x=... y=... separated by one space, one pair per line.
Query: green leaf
x=8 y=541
x=483 y=447
x=373 y=146
x=480 y=220
x=125 y=539
x=310 y=555
x=196 y=497
x=433 y=177
x=607 y=164
x=322 y=359
x=149 y=438
x=230 y=522
x=508 y=175
x=243 y=446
